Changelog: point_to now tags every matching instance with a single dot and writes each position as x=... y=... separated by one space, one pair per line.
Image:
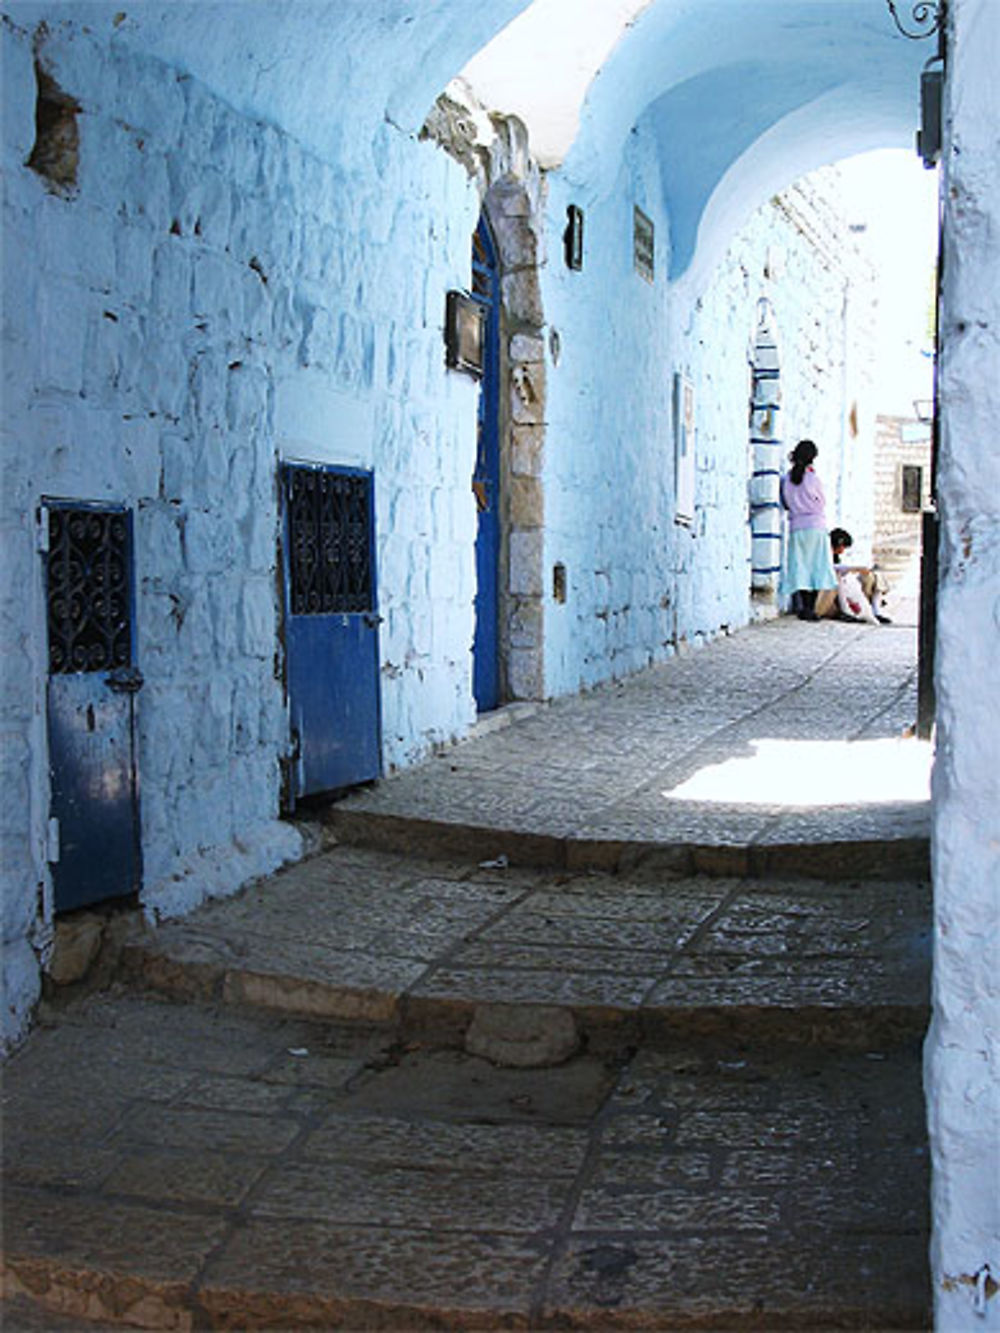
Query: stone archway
x=512 y=189
x=516 y=220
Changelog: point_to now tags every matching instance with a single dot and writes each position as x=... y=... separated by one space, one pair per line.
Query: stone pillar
x=516 y=221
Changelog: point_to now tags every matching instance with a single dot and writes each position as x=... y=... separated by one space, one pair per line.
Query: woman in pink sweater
x=807 y=565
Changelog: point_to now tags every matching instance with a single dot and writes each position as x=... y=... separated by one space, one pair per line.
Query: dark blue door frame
x=486 y=479
x=331 y=627
x=95 y=840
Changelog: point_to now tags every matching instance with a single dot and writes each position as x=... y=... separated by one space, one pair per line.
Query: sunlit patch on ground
x=815 y=773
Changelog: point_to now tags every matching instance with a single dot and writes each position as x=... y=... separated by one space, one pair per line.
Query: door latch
x=125 y=680
x=372 y=619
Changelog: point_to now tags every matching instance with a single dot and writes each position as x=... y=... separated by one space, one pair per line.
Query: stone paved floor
x=180 y=1165
x=784 y=735
x=359 y=934
x=731 y=1137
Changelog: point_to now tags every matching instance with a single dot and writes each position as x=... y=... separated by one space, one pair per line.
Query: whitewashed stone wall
x=639 y=584
x=608 y=521
x=207 y=298
x=963 y=1046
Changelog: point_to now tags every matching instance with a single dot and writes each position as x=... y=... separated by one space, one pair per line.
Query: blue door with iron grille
x=486 y=478
x=92 y=688
x=331 y=627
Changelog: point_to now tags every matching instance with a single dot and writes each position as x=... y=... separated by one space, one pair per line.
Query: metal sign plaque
x=643 y=244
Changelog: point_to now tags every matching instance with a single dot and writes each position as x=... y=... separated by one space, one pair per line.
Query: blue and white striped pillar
x=765 y=461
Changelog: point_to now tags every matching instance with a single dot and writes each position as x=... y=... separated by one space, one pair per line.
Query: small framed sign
x=643 y=245
x=464 y=333
x=684 y=469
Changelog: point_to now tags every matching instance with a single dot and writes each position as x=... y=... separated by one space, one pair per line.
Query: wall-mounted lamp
x=927 y=18
x=929 y=134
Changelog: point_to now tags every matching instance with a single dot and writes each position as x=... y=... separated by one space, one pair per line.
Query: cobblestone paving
x=732 y=1138
x=603 y=767
x=358 y=934
x=171 y=1163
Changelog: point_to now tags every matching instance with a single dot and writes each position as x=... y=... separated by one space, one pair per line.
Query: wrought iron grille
x=330 y=548
x=89 y=587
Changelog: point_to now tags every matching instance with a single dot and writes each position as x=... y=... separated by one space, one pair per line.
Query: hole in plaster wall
x=56 y=152
x=555 y=346
x=559 y=582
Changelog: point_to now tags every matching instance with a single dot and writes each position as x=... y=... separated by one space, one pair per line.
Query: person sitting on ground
x=860 y=589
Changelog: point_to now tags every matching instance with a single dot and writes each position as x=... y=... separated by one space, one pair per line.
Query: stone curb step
x=528 y=1033
x=877 y=859
x=122 y=1299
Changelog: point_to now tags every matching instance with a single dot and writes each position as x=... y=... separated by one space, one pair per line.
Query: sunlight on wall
x=541 y=65
x=816 y=773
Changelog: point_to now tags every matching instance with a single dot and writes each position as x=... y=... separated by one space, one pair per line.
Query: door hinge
x=52 y=841
x=42 y=529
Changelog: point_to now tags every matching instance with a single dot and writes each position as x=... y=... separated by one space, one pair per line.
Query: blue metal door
x=331 y=627
x=94 y=838
x=486 y=479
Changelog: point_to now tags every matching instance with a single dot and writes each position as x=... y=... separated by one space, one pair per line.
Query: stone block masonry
x=200 y=297
x=900 y=443
x=640 y=585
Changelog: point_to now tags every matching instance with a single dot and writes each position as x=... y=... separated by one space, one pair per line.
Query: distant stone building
x=902 y=478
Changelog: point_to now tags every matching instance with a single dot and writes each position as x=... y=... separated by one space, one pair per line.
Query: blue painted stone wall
x=209 y=298
x=639 y=585
x=608 y=469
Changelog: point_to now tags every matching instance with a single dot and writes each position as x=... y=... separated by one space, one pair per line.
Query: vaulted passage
x=238 y=267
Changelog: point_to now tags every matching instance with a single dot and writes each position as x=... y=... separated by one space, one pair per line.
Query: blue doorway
x=92 y=689
x=331 y=628
x=486 y=478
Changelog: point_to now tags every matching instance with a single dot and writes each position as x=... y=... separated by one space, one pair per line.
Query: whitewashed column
x=963 y=1046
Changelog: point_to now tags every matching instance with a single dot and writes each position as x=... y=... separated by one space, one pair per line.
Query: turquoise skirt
x=808 y=563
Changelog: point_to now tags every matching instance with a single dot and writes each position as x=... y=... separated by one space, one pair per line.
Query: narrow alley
x=524 y=1043
x=453 y=873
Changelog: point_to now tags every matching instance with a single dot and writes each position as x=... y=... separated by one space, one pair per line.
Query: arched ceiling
x=740 y=96
x=324 y=70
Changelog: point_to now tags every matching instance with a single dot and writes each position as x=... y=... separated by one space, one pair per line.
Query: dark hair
x=841 y=537
x=802 y=455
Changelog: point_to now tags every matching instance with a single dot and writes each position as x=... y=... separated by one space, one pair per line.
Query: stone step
x=178 y=1166
x=529 y=966
x=839 y=853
